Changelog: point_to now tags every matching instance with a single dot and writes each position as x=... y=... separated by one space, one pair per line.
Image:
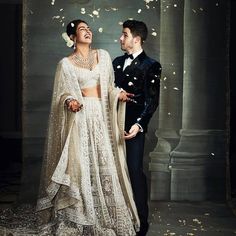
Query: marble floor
x=166 y=218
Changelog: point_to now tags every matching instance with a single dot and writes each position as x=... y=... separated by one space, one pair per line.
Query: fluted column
x=170 y=108
x=198 y=162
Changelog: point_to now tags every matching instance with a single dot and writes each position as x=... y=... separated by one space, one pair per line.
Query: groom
x=137 y=74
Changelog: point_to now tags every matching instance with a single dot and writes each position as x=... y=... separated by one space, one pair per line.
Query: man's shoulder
x=151 y=62
x=117 y=59
x=149 y=59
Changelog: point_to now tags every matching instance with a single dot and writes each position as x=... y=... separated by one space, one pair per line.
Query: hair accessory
x=69 y=42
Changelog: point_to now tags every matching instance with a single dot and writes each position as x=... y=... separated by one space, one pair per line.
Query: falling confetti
x=154 y=34
x=114 y=9
x=82 y=10
x=95 y=12
x=55 y=17
x=197 y=221
x=139 y=10
x=100 y=30
x=175 y=88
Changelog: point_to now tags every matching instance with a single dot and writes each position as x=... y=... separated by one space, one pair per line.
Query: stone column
x=170 y=108
x=198 y=162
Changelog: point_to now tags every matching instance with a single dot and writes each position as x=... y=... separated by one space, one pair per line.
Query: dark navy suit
x=142 y=78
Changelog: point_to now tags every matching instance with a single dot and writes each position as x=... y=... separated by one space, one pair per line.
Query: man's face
x=126 y=40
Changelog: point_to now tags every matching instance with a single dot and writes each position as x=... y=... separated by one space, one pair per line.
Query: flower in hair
x=69 y=42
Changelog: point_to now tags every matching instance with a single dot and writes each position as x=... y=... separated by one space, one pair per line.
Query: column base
x=159 y=165
x=198 y=166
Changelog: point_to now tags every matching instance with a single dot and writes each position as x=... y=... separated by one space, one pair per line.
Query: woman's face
x=84 y=34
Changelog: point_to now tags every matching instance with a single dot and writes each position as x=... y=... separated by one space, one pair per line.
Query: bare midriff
x=92 y=92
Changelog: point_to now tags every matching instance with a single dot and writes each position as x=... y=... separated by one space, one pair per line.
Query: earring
x=74 y=44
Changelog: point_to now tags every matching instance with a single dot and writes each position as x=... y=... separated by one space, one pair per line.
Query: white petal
x=95 y=12
x=154 y=34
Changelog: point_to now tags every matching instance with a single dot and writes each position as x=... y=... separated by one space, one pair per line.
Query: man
x=139 y=75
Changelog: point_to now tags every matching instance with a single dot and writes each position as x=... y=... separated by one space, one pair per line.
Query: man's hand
x=124 y=96
x=132 y=132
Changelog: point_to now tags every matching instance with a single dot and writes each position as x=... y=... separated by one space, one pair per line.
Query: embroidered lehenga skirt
x=112 y=216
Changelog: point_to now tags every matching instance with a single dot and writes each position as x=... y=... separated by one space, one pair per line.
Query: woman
x=85 y=189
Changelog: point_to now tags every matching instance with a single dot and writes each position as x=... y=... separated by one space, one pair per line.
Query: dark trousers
x=135 y=149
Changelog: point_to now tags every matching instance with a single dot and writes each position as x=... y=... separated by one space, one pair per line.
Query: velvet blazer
x=142 y=78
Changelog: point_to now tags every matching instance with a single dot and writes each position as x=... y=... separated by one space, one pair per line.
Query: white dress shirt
x=128 y=60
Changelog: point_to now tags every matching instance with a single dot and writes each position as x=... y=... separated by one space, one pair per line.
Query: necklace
x=86 y=63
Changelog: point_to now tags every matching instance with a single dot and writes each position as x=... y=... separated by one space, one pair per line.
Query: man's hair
x=137 y=28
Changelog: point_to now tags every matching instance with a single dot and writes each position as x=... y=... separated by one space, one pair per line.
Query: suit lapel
x=136 y=62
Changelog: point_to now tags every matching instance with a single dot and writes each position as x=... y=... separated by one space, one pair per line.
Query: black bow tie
x=129 y=56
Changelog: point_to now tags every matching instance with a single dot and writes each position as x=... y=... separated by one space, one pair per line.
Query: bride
x=85 y=187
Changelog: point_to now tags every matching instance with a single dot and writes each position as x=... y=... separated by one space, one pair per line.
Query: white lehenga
x=85 y=189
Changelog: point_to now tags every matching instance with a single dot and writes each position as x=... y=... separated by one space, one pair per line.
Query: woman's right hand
x=73 y=105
